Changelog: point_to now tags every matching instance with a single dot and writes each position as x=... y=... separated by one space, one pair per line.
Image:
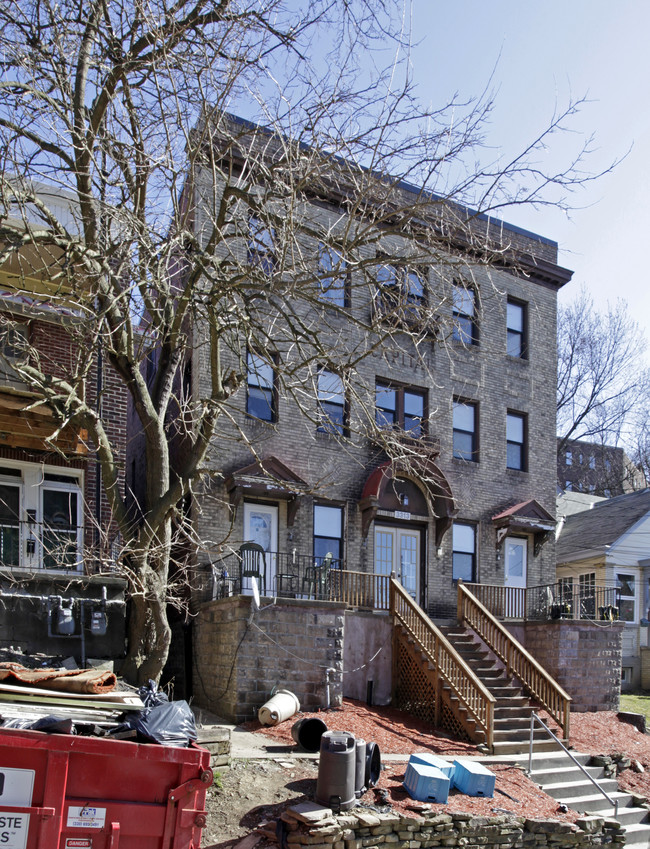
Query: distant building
x=608 y=546
x=597 y=469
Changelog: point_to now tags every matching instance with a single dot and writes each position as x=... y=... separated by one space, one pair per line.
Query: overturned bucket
x=307 y=733
x=373 y=764
x=279 y=707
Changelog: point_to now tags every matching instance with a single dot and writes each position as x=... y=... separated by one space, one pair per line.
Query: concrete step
x=565 y=790
x=520 y=748
x=637 y=836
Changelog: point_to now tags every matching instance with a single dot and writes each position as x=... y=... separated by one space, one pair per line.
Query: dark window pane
x=463 y=445
x=463 y=567
x=260 y=403
x=514 y=456
x=515 y=344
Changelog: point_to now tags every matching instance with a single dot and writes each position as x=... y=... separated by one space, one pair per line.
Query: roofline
x=545 y=270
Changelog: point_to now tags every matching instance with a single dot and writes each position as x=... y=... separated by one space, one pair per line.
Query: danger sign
x=78 y=843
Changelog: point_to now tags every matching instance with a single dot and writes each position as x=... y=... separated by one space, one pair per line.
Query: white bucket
x=279 y=707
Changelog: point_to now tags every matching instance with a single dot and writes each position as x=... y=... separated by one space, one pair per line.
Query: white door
x=398 y=550
x=261 y=526
x=516 y=550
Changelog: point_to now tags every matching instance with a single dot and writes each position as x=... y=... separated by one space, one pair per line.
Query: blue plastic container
x=473 y=778
x=427 y=759
x=426 y=783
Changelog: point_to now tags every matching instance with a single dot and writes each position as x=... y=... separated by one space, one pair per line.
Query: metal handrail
x=534 y=717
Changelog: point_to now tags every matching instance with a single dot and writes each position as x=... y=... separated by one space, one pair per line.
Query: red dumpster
x=61 y=791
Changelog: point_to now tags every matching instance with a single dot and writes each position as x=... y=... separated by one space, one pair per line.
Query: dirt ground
x=250 y=793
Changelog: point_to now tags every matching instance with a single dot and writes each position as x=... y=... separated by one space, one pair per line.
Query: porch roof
x=267 y=478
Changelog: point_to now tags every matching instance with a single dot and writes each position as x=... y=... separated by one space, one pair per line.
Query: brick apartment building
x=597 y=469
x=472 y=406
x=56 y=537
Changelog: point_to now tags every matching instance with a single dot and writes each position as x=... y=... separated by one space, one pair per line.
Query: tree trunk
x=149 y=632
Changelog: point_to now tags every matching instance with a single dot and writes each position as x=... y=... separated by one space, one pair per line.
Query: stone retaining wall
x=315 y=827
x=241 y=656
x=584 y=658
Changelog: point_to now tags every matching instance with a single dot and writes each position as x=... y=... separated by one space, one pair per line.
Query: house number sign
x=401 y=515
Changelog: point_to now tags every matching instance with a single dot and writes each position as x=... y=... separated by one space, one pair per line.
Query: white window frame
x=32 y=483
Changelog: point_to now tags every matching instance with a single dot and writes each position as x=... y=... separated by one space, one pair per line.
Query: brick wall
x=240 y=657
x=583 y=657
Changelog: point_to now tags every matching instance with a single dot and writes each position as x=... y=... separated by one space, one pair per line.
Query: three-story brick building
x=431 y=453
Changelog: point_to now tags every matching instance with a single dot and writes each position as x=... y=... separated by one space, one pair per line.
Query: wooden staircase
x=512 y=707
x=475 y=681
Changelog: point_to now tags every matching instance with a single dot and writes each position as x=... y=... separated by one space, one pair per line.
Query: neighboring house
x=478 y=503
x=608 y=545
x=59 y=593
x=597 y=469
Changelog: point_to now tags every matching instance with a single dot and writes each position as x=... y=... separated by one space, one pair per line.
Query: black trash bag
x=168 y=723
x=48 y=724
x=151 y=695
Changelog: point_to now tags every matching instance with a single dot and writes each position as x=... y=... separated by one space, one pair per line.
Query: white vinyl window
x=41 y=518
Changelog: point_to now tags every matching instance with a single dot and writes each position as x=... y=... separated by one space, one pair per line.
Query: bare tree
x=602 y=375
x=172 y=206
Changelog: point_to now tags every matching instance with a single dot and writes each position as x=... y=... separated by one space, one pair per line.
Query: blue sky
x=539 y=55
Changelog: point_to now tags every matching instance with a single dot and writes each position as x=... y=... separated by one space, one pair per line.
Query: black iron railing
x=561 y=600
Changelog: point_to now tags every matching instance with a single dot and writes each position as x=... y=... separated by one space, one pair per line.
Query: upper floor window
x=403 y=285
x=516 y=326
x=13 y=350
x=568 y=458
x=400 y=406
x=465 y=328
x=261 y=244
x=465 y=431
x=261 y=401
x=464 y=552
x=328 y=534
x=331 y=402
x=516 y=441
x=332 y=276
x=592 y=462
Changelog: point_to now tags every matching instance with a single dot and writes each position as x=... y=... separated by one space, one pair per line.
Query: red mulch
x=396 y=732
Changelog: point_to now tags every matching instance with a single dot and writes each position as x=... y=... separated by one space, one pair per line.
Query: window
x=625 y=584
x=331 y=402
x=40 y=518
x=516 y=329
x=516 y=441
x=261 y=244
x=465 y=328
x=9 y=524
x=465 y=442
x=565 y=595
x=328 y=533
x=13 y=350
x=333 y=276
x=401 y=285
x=464 y=553
x=568 y=486
x=398 y=406
x=261 y=397
x=61 y=519
x=568 y=458
x=400 y=294
x=592 y=462
x=587 y=595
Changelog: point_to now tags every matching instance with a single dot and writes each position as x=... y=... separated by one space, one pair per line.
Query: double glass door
x=398 y=550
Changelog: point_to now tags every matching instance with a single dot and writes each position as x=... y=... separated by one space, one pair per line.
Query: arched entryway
x=400 y=510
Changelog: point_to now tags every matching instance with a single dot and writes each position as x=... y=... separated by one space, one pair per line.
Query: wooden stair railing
x=448 y=665
x=536 y=680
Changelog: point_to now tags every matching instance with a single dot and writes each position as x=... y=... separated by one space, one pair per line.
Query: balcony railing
x=300 y=576
x=548 y=601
